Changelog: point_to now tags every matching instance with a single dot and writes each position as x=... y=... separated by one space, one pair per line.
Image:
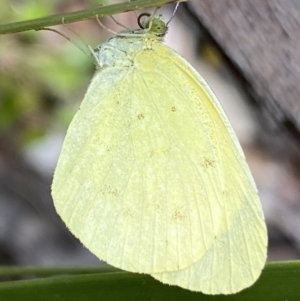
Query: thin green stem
x=81 y=15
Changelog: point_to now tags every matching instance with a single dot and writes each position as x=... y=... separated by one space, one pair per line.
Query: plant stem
x=81 y=15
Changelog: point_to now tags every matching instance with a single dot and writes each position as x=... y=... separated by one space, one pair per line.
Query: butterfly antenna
x=174 y=12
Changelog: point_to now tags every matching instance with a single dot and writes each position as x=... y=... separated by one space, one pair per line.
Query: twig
x=81 y=15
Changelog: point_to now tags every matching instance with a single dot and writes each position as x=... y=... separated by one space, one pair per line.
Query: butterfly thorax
x=121 y=49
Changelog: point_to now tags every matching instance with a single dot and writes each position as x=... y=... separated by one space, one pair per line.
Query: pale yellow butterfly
x=151 y=177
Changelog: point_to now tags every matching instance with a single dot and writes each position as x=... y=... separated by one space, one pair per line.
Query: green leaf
x=279 y=281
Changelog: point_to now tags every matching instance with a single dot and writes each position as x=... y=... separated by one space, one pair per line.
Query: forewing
x=138 y=179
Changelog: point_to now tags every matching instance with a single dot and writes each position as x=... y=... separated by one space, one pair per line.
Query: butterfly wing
x=138 y=179
x=236 y=258
x=151 y=178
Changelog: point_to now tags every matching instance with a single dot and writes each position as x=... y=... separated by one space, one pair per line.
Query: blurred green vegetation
x=43 y=76
x=279 y=281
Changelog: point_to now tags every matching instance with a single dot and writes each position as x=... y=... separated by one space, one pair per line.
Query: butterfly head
x=153 y=24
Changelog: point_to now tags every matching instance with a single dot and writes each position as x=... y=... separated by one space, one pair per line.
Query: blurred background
x=249 y=53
